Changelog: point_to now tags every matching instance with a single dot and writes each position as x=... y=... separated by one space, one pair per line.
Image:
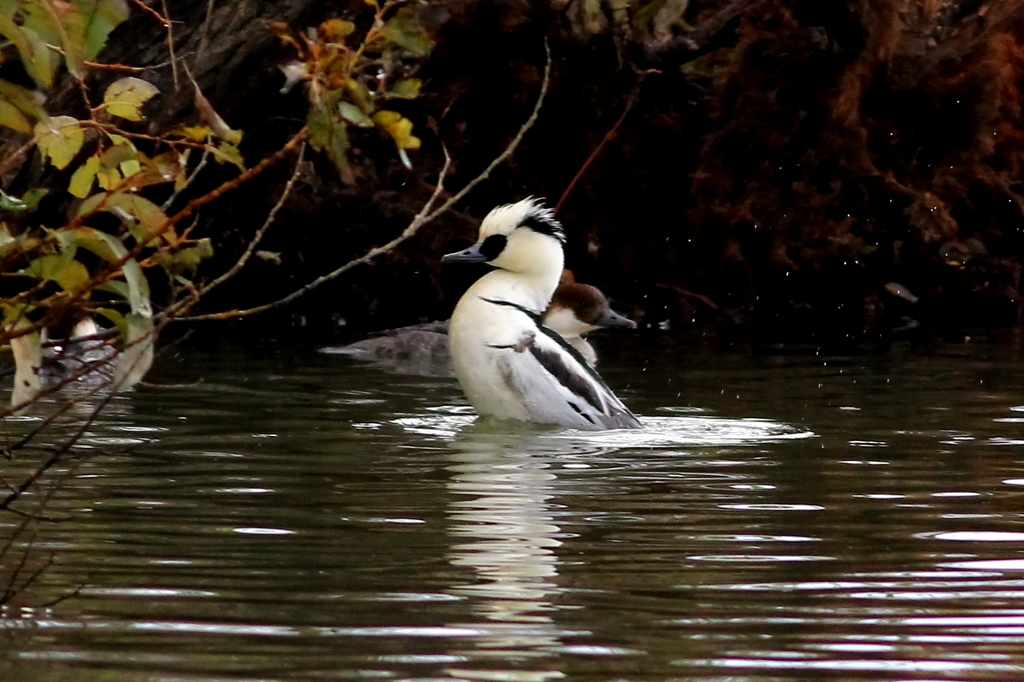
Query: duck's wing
x=561 y=378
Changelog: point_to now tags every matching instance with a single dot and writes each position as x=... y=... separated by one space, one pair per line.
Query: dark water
x=787 y=515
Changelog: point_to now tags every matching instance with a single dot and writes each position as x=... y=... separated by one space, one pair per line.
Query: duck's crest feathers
x=530 y=213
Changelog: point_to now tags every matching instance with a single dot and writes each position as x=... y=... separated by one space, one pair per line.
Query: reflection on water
x=502 y=528
x=297 y=515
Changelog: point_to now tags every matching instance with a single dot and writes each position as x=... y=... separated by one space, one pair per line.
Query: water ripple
x=658 y=432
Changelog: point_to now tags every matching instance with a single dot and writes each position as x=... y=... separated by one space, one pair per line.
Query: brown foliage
x=874 y=135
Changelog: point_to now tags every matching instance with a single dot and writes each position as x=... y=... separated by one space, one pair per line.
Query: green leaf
x=126 y=96
x=106 y=246
x=318 y=120
x=403 y=29
x=137 y=356
x=353 y=115
x=330 y=135
x=12 y=117
x=39 y=61
x=28 y=102
x=100 y=18
x=27 y=202
x=408 y=88
x=361 y=96
x=22 y=244
x=113 y=315
x=60 y=139
x=142 y=216
x=62 y=269
x=135 y=287
x=187 y=260
x=398 y=127
x=58 y=24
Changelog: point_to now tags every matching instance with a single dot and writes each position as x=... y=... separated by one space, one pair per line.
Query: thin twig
x=135 y=69
x=9 y=544
x=15 y=155
x=254 y=242
x=188 y=181
x=425 y=216
x=49 y=419
x=10 y=591
x=204 y=32
x=143 y=6
x=612 y=132
x=55 y=458
x=170 y=43
x=217 y=192
x=35 y=574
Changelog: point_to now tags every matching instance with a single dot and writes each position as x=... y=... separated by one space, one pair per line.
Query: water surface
x=283 y=514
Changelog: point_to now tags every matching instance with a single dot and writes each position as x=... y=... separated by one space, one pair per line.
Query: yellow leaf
x=108 y=178
x=225 y=152
x=116 y=155
x=130 y=167
x=11 y=117
x=398 y=127
x=408 y=88
x=81 y=180
x=60 y=140
x=197 y=133
x=126 y=96
x=336 y=30
x=28 y=102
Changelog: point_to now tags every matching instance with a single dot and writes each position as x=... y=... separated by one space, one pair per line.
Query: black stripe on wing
x=553 y=363
x=553 y=335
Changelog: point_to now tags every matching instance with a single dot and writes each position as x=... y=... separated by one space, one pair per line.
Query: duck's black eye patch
x=492 y=247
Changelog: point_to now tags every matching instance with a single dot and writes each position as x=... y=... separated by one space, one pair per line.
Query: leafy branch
x=426 y=215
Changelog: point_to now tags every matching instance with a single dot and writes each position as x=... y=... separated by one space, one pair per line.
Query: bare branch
x=55 y=457
x=633 y=95
x=170 y=43
x=254 y=242
x=189 y=180
x=146 y=8
x=15 y=155
x=426 y=215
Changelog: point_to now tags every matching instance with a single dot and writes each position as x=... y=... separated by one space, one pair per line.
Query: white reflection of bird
x=509 y=364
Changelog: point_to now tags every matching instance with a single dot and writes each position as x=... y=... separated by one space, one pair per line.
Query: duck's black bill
x=613 y=319
x=470 y=255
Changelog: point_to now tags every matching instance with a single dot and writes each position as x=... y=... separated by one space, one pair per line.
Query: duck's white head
x=522 y=238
